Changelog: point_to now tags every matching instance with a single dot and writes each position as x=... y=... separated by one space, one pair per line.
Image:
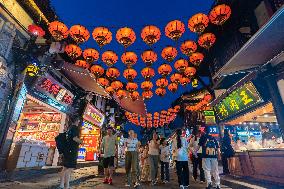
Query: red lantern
x=112 y=73
x=181 y=65
x=116 y=85
x=58 y=30
x=83 y=64
x=36 y=30
x=190 y=71
x=73 y=51
x=102 y=36
x=146 y=85
x=176 y=77
x=121 y=94
x=196 y=58
x=109 y=58
x=174 y=29
x=125 y=36
x=169 y=53
x=220 y=14
x=91 y=55
x=207 y=98
x=198 y=22
x=103 y=82
x=150 y=34
x=188 y=47
x=97 y=70
x=165 y=70
x=134 y=95
x=130 y=74
x=160 y=91
x=147 y=94
x=79 y=33
x=110 y=90
x=131 y=86
x=207 y=40
x=148 y=73
x=162 y=82
x=173 y=87
x=149 y=57
x=184 y=81
x=129 y=58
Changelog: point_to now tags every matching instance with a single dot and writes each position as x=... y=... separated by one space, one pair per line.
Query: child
x=145 y=165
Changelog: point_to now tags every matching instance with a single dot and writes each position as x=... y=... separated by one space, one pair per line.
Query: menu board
x=239 y=100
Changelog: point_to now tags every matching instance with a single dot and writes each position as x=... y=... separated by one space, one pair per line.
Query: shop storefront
x=93 y=120
x=40 y=114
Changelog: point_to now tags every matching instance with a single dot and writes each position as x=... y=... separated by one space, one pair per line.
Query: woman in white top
x=180 y=146
x=154 y=157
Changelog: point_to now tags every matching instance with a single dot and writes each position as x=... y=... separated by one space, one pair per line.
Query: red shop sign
x=93 y=115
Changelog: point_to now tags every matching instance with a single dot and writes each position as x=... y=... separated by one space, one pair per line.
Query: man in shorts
x=109 y=148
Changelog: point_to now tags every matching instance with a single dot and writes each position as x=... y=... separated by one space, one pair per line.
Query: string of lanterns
x=202 y=105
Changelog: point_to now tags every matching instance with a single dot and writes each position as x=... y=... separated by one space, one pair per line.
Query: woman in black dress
x=70 y=154
x=227 y=152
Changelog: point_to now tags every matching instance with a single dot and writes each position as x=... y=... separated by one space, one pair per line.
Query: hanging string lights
x=150 y=34
x=125 y=36
x=102 y=36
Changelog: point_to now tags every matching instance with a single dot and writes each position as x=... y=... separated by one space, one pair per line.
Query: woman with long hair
x=180 y=147
x=154 y=158
x=227 y=152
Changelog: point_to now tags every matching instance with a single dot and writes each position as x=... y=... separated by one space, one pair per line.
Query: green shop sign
x=239 y=100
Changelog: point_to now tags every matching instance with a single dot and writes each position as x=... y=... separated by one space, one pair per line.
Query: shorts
x=108 y=162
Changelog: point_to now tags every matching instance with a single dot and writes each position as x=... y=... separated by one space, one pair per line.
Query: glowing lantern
x=160 y=91
x=173 y=87
x=32 y=70
x=97 y=70
x=112 y=73
x=149 y=57
x=91 y=55
x=130 y=74
x=146 y=85
x=110 y=90
x=36 y=30
x=207 y=40
x=188 y=47
x=190 y=71
x=131 y=86
x=129 y=58
x=184 y=81
x=102 y=36
x=150 y=34
x=177 y=108
x=169 y=53
x=73 y=51
x=207 y=97
x=174 y=29
x=220 y=14
x=147 y=94
x=103 y=82
x=165 y=70
x=198 y=22
x=121 y=94
x=79 y=33
x=196 y=58
x=194 y=83
x=82 y=63
x=148 y=73
x=162 y=82
x=181 y=65
x=176 y=77
x=125 y=36
x=134 y=95
x=58 y=30
x=109 y=58
x=116 y=85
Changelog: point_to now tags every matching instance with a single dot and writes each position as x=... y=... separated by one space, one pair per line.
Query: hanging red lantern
x=36 y=30
x=220 y=14
x=112 y=73
x=196 y=58
x=83 y=64
x=177 y=108
x=147 y=94
x=116 y=85
x=79 y=33
x=103 y=82
x=150 y=34
x=169 y=53
x=125 y=36
x=97 y=70
x=162 y=82
x=109 y=58
x=73 y=51
x=174 y=29
x=176 y=77
x=146 y=85
x=91 y=55
x=207 y=98
x=184 y=81
x=129 y=58
x=102 y=36
x=134 y=95
x=121 y=94
x=110 y=90
x=173 y=87
x=148 y=73
x=190 y=71
x=160 y=91
x=198 y=22
x=131 y=86
x=181 y=65
x=130 y=74
x=149 y=57
x=207 y=40
x=58 y=30
x=165 y=70
x=188 y=47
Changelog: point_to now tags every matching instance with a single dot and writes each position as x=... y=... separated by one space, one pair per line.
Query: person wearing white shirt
x=165 y=161
x=154 y=157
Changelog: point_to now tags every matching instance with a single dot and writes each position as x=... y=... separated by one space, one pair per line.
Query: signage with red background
x=93 y=115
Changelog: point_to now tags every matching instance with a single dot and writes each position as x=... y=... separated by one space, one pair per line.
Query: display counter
x=264 y=164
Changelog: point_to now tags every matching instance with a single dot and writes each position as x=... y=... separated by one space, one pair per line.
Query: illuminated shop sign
x=239 y=100
x=209 y=117
x=93 y=115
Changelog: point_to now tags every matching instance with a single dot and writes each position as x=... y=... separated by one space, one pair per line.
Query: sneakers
x=105 y=181
x=110 y=181
x=210 y=186
x=136 y=184
x=181 y=187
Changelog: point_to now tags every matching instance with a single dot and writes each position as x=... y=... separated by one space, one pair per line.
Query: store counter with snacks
x=261 y=164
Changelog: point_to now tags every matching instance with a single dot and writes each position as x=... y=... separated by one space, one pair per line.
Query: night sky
x=115 y=14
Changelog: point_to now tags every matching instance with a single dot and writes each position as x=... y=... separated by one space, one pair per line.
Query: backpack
x=61 y=142
x=210 y=147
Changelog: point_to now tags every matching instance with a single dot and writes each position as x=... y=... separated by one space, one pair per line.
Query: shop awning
x=266 y=44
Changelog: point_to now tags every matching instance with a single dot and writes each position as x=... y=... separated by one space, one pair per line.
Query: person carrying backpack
x=210 y=155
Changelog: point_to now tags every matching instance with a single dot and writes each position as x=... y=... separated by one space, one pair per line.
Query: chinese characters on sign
x=209 y=117
x=93 y=115
x=239 y=100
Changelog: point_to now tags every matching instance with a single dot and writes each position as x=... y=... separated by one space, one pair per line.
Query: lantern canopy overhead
x=160 y=91
x=198 y=22
x=150 y=34
x=220 y=14
x=125 y=36
x=147 y=94
x=79 y=33
x=102 y=36
x=162 y=82
x=176 y=77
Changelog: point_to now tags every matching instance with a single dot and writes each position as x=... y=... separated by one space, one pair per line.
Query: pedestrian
x=165 y=161
x=138 y=160
x=70 y=154
x=109 y=149
x=180 y=147
x=196 y=160
x=210 y=153
x=145 y=165
x=227 y=152
x=154 y=158
x=131 y=153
